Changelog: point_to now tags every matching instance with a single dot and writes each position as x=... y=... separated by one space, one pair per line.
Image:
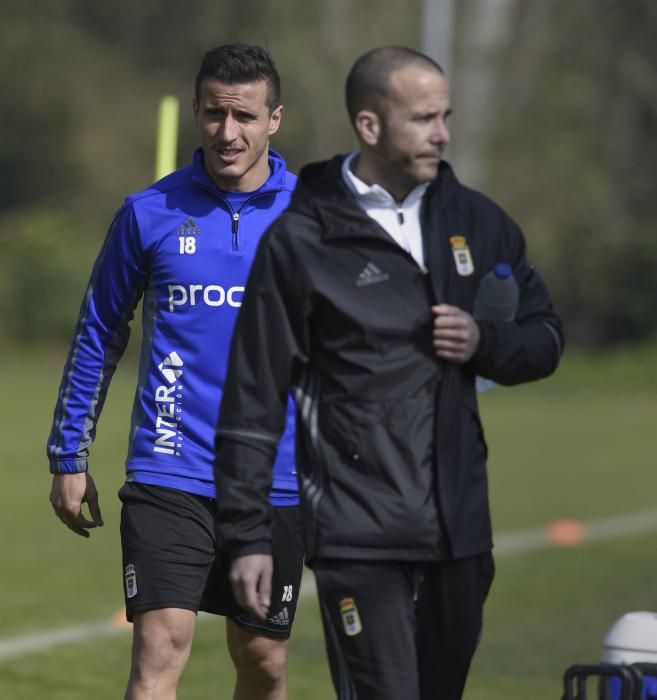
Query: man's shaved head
x=368 y=81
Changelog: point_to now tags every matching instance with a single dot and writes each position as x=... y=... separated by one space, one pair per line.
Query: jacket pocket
x=380 y=490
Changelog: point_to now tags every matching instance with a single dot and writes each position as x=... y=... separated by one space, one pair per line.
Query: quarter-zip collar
x=274 y=183
x=401 y=219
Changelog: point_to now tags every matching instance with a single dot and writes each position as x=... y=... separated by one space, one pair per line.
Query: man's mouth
x=432 y=155
x=228 y=155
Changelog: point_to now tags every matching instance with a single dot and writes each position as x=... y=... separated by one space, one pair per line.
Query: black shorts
x=402 y=631
x=168 y=543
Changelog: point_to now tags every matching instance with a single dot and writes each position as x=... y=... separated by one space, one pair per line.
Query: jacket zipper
x=388 y=240
x=235 y=215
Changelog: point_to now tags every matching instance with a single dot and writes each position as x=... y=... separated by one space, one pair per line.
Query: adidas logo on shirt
x=188 y=228
x=282 y=618
x=371 y=274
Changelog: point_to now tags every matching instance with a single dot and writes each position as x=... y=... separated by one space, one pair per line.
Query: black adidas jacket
x=390 y=448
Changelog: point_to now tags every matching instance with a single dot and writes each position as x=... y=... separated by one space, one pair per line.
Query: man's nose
x=229 y=130
x=441 y=132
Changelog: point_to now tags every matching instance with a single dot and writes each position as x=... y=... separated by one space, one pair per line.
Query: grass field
x=580 y=445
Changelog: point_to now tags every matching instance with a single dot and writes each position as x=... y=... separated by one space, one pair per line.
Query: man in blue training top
x=185 y=244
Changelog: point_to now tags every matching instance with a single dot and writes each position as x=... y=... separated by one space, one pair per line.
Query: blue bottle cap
x=503 y=270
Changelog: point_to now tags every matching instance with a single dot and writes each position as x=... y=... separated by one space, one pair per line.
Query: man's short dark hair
x=368 y=80
x=238 y=64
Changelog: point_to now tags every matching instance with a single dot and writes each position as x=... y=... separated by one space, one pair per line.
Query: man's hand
x=250 y=577
x=455 y=333
x=68 y=493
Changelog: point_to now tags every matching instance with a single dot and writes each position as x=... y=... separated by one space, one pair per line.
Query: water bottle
x=497 y=296
x=496 y=300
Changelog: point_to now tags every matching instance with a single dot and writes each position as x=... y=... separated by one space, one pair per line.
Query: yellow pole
x=167 y=137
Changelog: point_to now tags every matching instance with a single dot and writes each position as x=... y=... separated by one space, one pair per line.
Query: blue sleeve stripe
x=56 y=441
x=114 y=349
x=55 y=444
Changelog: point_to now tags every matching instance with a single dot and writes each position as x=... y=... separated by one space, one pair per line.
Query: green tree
x=574 y=156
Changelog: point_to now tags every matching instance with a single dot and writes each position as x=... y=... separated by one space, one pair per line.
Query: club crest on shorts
x=462 y=257
x=350 y=617
x=130 y=581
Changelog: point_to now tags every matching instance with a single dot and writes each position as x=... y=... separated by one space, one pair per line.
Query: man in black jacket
x=361 y=298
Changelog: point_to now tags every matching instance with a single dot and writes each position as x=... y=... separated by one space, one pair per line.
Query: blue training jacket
x=187 y=248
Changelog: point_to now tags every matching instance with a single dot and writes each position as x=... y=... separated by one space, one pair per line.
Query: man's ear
x=195 y=108
x=275 y=119
x=368 y=127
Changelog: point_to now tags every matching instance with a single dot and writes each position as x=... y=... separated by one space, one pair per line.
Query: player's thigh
x=287 y=552
x=368 y=613
x=168 y=545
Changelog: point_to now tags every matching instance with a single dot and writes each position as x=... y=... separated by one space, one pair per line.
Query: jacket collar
x=274 y=183
x=322 y=193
